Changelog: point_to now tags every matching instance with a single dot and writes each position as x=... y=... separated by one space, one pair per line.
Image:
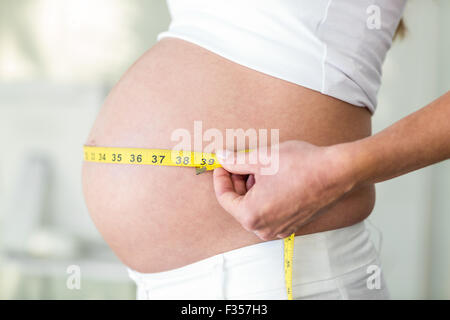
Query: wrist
x=354 y=162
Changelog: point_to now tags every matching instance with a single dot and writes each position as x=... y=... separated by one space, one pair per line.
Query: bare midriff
x=159 y=218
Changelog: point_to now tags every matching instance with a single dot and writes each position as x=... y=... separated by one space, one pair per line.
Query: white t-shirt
x=336 y=47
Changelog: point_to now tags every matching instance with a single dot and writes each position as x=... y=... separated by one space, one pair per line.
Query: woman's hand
x=309 y=177
x=276 y=205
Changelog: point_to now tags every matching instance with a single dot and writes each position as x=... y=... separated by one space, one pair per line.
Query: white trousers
x=337 y=264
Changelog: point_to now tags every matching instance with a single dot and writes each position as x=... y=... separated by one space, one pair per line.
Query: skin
x=311 y=178
x=160 y=218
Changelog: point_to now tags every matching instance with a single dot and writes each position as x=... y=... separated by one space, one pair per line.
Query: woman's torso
x=160 y=218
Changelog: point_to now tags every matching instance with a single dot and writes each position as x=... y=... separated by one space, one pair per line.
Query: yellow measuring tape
x=161 y=157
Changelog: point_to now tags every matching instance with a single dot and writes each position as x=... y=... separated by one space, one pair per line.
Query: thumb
x=238 y=162
x=226 y=194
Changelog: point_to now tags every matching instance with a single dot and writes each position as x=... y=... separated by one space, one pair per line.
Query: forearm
x=419 y=140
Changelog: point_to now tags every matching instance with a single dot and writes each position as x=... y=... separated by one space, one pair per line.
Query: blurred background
x=59 y=59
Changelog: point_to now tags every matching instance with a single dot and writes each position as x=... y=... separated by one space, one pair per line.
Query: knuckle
x=250 y=221
x=250 y=218
x=266 y=235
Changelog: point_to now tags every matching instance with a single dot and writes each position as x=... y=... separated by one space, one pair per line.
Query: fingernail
x=222 y=154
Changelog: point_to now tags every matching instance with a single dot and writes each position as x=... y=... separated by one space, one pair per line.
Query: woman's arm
x=414 y=142
x=310 y=178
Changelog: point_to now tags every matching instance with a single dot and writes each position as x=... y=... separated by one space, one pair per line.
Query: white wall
x=51 y=121
x=440 y=227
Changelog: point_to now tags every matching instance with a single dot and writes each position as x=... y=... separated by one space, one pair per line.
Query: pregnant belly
x=160 y=218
